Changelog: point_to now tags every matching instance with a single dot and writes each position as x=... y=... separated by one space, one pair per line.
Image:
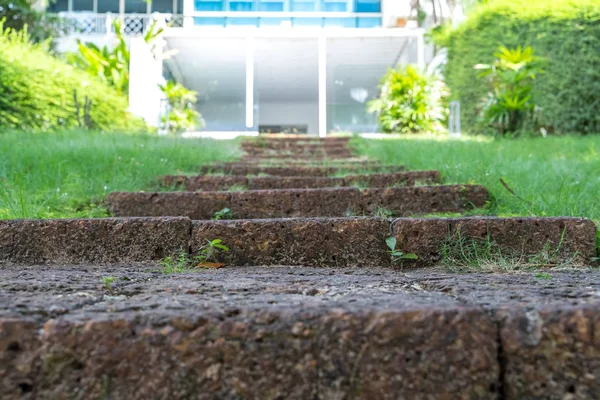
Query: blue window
x=272 y=21
x=234 y=21
x=209 y=5
x=334 y=6
x=307 y=22
x=341 y=22
x=209 y=21
x=241 y=5
x=368 y=22
x=273 y=6
x=368 y=6
x=303 y=5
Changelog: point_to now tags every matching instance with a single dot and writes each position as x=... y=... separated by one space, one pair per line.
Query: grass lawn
x=68 y=174
x=553 y=176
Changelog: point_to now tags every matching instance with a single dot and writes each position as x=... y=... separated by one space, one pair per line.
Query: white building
x=262 y=65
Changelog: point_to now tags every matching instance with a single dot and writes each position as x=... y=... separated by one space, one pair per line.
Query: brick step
x=288 y=146
x=321 y=242
x=215 y=183
x=297 y=333
x=298 y=139
x=323 y=202
x=254 y=168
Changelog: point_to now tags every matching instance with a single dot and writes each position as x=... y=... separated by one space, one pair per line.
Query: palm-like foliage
x=510 y=102
x=110 y=64
x=182 y=113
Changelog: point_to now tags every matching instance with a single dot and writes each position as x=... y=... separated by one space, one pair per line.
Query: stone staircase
x=337 y=283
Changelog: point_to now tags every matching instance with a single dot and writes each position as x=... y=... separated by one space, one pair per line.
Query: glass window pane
x=179 y=6
x=341 y=22
x=241 y=5
x=203 y=5
x=307 y=21
x=242 y=21
x=86 y=5
x=271 y=6
x=162 y=6
x=136 y=6
x=272 y=21
x=368 y=6
x=334 y=6
x=59 y=6
x=212 y=21
x=303 y=5
x=369 y=22
x=108 y=6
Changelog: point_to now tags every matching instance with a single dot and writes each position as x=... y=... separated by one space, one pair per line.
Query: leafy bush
x=565 y=33
x=37 y=91
x=410 y=102
x=19 y=14
x=182 y=114
x=509 y=105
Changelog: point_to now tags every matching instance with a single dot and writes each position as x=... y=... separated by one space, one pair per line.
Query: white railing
x=82 y=23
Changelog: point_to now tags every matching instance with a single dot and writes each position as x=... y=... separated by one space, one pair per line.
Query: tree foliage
x=565 y=33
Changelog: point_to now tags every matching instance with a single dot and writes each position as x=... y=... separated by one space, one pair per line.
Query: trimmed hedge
x=566 y=33
x=36 y=91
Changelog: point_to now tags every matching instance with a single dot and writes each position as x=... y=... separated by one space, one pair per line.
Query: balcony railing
x=81 y=23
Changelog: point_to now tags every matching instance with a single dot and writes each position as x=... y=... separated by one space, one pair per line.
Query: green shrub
x=182 y=114
x=37 y=91
x=410 y=102
x=510 y=105
x=565 y=33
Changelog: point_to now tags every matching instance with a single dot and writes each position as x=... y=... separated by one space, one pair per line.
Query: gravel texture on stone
x=282 y=203
x=380 y=180
x=297 y=333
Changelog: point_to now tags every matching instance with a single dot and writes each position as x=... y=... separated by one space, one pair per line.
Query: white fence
x=81 y=23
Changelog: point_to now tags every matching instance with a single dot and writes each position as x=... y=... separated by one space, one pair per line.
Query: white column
x=421 y=48
x=249 y=82
x=188 y=10
x=322 y=86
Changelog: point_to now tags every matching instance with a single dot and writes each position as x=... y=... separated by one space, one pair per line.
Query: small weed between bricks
x=466 y=254
x=208 y=257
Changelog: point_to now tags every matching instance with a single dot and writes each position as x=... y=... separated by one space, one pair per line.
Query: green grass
x=68 y=174
x=553 y=176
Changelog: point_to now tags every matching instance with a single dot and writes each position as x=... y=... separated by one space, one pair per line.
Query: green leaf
x=410 y=256
x=390 y=241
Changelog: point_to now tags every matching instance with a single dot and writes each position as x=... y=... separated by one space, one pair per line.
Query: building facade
x=263 y=65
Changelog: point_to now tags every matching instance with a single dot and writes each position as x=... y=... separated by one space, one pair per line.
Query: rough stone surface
x=379 y=180
x=254 y=168
x=323 y=202
x=564 y=239
x=216 y=183
x=195 y=205
x=302 y=241
x=101 y=241
x=297 y=333
x=293 y=182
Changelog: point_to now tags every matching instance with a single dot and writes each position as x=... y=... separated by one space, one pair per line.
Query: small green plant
x=543 y=275
x=223 y=214
x=238 y=188
x=107 y=281
x=209 y=253
x=510 y=103
x=383 y=213
x=411 y=101
x=398 y=255
x=179 y=262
